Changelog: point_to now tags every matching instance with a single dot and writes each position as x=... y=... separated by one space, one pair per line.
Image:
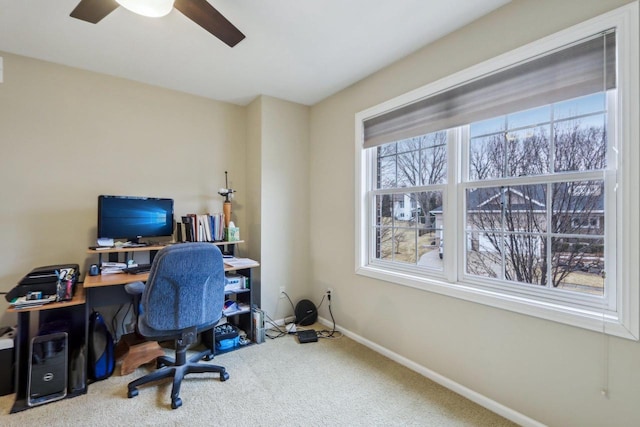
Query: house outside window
x=518 y=165
x=585 y=222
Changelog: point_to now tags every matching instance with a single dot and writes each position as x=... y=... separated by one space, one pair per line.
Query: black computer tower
x=48 y=361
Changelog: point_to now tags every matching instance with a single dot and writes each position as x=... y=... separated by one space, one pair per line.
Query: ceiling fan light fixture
x=149 y=8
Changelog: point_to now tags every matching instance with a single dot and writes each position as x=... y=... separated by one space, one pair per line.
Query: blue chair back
x=185 y=289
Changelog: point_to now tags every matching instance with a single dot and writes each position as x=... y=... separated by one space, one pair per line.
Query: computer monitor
x=133 y=218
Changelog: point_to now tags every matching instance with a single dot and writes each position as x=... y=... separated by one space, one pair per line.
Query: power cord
x=327 y=334
x=290 y=302
x=277 y=331
x=114 y=323
x=286 y=324
x=269 y=333
x=332 y=334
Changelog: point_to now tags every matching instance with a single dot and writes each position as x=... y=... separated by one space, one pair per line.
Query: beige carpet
x=278 y=383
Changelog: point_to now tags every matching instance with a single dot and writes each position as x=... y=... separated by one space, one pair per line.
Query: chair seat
x=168 y=335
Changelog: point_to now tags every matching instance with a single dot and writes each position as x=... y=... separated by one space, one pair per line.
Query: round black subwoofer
x=306 y=313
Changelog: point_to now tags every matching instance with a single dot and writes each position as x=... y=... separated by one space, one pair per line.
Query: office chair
x=182 y=297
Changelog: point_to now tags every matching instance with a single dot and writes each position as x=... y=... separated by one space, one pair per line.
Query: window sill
x=586 y=318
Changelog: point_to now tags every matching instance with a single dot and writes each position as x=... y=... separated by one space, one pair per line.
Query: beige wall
x=278 y=153
x=69 y=135
x=253 y=173
x=285 y=204
x=544 y=370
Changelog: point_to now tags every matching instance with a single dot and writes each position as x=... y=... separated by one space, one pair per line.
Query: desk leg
x=21 y=362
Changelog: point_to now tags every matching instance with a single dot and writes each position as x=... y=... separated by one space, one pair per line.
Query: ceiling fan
x=199 y=11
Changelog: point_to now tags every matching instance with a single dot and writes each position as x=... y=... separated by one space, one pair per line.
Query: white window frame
x=624 y=319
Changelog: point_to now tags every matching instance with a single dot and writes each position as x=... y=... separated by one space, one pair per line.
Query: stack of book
x=201 y=228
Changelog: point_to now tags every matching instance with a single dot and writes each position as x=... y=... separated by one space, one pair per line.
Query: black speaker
x=48 y=362
x=306 y=313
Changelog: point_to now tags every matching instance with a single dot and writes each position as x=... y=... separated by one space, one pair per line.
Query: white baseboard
x=473 y=396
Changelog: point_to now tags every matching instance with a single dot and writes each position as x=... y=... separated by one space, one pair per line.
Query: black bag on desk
x=42 y=279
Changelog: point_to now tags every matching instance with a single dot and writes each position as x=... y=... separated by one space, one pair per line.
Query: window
x=582 y=222
x=525 y=166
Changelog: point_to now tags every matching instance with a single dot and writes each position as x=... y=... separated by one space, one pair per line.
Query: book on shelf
x=201 y=228
x=187 y=223
x=179 y=232
x=217 y=226
x=194 y=227
x=206 y=226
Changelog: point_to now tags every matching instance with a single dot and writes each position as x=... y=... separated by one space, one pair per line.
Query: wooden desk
x=96 y=291
x=74 y=313
x=119 y=279
x=116 y=279
x=151 y=248
x=79 y=297
x=108 y=289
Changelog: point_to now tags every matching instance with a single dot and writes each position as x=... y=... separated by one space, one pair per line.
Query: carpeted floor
x=278 y=383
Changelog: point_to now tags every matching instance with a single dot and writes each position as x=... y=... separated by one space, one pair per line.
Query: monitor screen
x=131 y=218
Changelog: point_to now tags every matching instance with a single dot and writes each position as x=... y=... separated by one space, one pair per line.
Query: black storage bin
x=6 y=364
x=225 y=337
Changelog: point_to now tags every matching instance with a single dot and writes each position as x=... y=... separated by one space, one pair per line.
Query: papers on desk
x=23 y=302
x=112 y=267
x=240 y=262
x=111 y=270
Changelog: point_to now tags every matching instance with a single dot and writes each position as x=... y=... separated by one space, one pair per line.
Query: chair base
x=178 y=368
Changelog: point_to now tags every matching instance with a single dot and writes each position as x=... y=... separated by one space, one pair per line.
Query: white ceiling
x=297 y=50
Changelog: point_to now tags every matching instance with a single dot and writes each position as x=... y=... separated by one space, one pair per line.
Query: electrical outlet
x=282 y=291
x=329 y=290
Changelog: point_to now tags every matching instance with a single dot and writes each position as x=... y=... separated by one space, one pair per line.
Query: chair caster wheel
x=160 y=365
x=208 y=358
x=176 y=403
x=224 y=376
x=132 y=393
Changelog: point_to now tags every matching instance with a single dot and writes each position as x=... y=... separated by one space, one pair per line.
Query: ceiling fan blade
x=205 y=15
x=93 y=10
